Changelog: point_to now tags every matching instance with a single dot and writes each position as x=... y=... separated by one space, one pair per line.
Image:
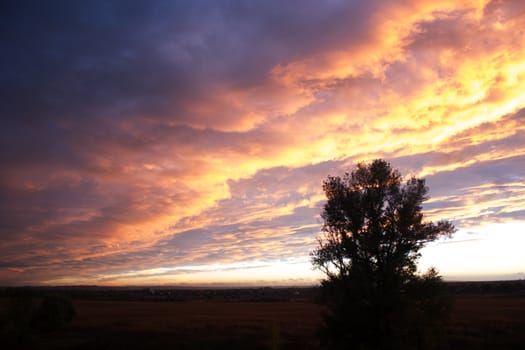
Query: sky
x=186 y=142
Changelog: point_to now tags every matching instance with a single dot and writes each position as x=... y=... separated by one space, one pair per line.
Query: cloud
x=139 y=136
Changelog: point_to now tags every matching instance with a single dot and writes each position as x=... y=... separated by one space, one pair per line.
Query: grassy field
x=478 y=322
x=185 y=325
x=194 y=325
x=488 y=322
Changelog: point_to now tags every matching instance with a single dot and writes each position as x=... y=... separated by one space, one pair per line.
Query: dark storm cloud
x=84 y=63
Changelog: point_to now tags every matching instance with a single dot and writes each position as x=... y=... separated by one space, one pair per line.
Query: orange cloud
x=437 y=86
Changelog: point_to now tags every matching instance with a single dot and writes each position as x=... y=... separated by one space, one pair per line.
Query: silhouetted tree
x=20 y=313
x=26 y=318
x=373 y=231
x=54 y=312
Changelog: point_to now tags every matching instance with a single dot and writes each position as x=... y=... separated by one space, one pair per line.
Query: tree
x=54 y=312
x=372 y=234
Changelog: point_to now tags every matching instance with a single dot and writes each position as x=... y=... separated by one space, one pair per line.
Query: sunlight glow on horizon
x=489 y=252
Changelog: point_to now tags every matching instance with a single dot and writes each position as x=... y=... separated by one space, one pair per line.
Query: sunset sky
x=186 y=142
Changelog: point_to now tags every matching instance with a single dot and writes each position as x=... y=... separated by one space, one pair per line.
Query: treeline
x=263 y=294
x=515 y=287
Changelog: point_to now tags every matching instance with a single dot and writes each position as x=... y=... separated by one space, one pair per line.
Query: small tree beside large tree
x=373 y=231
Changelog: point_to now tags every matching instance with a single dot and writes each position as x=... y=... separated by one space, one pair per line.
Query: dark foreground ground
x=482 y=318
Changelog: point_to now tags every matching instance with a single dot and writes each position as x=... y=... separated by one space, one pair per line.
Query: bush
x=54 y=312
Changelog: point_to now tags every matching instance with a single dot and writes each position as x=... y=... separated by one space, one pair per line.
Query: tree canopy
x=373 y=229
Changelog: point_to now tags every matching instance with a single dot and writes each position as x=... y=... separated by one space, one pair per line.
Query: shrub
x=54 y=312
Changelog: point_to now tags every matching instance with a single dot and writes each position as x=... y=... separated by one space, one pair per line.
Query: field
x=214 y=321
x=488 y=322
